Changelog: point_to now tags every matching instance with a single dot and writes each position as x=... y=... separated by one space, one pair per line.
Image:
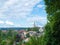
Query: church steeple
x=34 y=24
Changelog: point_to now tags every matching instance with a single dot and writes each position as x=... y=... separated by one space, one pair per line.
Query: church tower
x=34 y=24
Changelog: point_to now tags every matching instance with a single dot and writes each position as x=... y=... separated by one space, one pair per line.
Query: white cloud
x=7 y=4
x=9 y=23
x=1 y=22
x=12 y=8
x=40 y=6
x=36 y=18
x=40 y=19
x=18 y=9
x=6 y=22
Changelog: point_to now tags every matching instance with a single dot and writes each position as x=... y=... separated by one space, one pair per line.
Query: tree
x=52 y=28
x=0 y=37
x=35 y=28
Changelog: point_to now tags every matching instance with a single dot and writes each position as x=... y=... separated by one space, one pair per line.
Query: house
x=22 y=33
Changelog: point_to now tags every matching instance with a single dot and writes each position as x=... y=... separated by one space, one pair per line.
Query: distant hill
x=13 y=28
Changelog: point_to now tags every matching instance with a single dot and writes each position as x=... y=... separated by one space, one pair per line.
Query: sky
x=22 y=13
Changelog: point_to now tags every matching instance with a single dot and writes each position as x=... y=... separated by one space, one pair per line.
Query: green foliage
x=33 y=29
x=29 y=29
x=52 y=28
x=27 y=35
x=33 y=41
x=7 y=38
x=56 y=28
x=36 y=41
x=0 y=36
x=3 y=42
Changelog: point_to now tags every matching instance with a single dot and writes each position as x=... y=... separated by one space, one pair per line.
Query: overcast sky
x=22 y=13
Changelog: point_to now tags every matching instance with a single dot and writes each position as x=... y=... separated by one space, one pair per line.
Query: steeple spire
x=34 y=24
